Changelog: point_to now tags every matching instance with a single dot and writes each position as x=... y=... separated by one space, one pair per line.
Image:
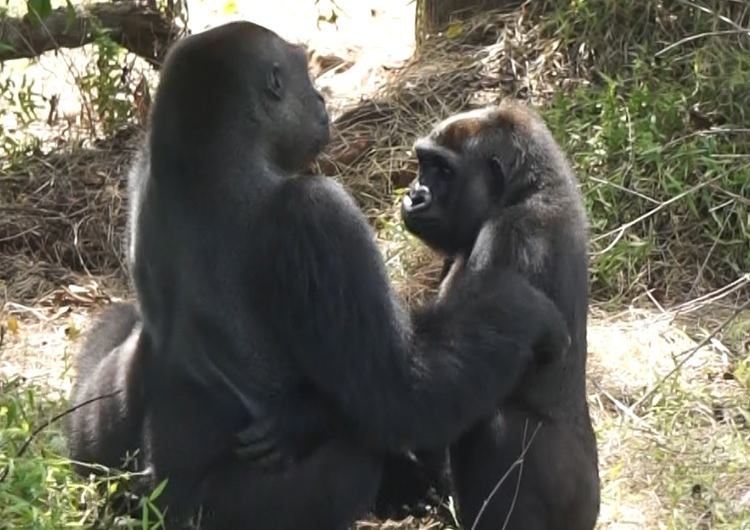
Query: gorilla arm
x=400 y=382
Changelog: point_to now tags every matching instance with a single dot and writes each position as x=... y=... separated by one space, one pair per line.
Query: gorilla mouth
x=422 y=226
x=417 y=199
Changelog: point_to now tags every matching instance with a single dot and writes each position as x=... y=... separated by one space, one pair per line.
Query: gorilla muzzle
x=418 y=198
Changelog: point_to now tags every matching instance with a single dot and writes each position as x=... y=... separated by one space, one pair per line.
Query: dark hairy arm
x=400 y=381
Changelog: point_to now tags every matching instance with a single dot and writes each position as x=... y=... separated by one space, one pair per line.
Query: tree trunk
x=435 y=15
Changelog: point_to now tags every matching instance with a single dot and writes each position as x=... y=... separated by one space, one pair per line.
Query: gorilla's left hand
x=257 y=444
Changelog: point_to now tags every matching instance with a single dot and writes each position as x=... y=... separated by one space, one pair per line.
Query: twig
x=518 y=462
x=715 y=14
x=689 y=354
x=629 y=413
x=712 y=297
x=700 y=36
x=620 y=231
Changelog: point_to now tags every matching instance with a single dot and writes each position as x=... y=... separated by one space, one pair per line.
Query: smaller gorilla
x=108 y=367
x=495 y=191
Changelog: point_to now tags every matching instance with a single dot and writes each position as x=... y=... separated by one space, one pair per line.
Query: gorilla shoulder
x=327 y=195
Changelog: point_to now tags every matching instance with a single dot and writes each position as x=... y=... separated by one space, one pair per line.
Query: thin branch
x=689 y=354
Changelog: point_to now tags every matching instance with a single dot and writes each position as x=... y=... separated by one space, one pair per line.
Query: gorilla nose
x=418 y=198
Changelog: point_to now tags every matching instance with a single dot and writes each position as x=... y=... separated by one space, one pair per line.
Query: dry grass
x=63 y=216
x=678 y=458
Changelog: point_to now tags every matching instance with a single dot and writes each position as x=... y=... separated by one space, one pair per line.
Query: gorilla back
x=246 y=295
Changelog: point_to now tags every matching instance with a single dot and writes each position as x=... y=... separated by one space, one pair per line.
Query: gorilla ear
x=274 y=85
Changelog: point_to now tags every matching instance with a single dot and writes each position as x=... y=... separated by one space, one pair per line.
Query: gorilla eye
x=274 y=81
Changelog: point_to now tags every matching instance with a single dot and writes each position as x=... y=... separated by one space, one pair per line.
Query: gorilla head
x=470 y=166
x=266 y=99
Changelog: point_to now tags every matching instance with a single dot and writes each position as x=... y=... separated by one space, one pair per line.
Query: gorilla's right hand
x=301 y=421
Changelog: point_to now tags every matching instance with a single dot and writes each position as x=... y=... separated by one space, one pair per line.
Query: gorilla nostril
x=418 y=199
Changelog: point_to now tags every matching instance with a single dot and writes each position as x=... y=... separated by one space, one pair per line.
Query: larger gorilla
x=495 y=191
x=263 y=295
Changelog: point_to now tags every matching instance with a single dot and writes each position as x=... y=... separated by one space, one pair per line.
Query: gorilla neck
x=209 y=159
x=185 y=127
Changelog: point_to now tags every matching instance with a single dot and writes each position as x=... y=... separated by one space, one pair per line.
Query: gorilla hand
x=258 y=444
x=301 y=422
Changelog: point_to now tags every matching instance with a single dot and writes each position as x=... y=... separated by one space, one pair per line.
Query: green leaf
x=38 y=10
x=454 y=30
x=71 y=18
x=157 y=491
x=230 y=7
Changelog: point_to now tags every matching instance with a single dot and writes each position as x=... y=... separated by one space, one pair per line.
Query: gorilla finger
x=258 y=455
x=255 y=450
x=260 y=432
x=273 y=461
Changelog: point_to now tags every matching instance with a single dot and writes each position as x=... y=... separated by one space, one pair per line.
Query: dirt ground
x=630 y=353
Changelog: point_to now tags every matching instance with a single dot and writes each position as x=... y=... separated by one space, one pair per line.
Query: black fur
x=107 y=429
x=495 y=191
x=263 y=295
x=414 y=484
